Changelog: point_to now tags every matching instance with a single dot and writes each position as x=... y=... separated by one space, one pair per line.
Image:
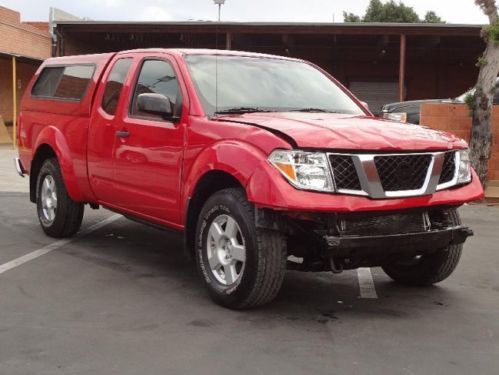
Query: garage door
x=376 y=94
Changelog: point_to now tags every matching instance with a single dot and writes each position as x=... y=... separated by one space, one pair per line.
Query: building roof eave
x=82 y=26
x=21 y=58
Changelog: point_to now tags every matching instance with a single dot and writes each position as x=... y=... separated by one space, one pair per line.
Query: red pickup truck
x=266 y=163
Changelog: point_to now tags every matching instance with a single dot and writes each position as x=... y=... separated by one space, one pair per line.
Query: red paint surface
x=153 y=172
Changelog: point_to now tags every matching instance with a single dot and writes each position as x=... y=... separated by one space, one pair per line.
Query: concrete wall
x=455 y=118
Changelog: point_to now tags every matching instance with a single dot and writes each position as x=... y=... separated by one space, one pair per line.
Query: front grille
x=402 y=172
x=398 y=175
x=377 y=225
x=394 y=223
x=448 y=168
x=344 y=172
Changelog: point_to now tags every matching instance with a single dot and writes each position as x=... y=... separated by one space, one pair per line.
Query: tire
x=59 y=215
x=233 y=280
x=428 y=269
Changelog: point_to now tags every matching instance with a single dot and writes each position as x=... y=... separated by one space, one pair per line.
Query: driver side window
x=157 y=77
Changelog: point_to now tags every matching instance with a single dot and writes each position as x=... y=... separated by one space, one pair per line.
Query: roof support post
x=228 y=41
x=402 y=67
x=14 y=100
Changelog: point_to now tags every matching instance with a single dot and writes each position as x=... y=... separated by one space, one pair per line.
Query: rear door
x=103 y=126
x=148 y=150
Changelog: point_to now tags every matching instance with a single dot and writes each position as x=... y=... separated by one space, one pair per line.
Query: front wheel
x=242 y=266
x=58 y=214
x=427 y=269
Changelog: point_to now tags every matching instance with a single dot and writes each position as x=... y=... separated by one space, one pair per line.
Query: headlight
x=464 y=171
x=395 y=116
x=304 y=170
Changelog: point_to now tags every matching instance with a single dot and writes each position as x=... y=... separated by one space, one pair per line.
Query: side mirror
x=364 y=104
x=155 y=104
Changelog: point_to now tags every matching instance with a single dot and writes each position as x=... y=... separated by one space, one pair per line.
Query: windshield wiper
x=313 y=110
x=237 y=110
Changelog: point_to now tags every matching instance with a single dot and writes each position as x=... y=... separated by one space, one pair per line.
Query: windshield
x=248 y=84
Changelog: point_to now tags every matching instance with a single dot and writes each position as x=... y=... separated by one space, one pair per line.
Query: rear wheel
x=427 y=269
x=58 y=214
x=242 y=266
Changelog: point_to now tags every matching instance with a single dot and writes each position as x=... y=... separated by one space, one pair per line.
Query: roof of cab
x=102 y=58
x=202 y=51
x=80 y=59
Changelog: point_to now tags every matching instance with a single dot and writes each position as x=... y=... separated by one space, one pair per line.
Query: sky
x=453 y=11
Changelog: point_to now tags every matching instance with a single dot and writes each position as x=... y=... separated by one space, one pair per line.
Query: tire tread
x=271 y=248
x=272 y=259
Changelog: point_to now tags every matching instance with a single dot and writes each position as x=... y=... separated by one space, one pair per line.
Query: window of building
x=114 y=85
x=376 y=93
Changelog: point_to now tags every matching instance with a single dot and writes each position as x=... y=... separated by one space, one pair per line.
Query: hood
x=348 y=132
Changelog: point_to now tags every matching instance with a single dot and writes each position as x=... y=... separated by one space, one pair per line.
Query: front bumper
x=420 y=242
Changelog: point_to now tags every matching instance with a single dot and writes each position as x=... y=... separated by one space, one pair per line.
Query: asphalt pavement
x=121 y=298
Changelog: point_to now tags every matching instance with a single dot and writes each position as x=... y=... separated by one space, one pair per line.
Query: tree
x=481 y=135
x=350 y=17
x=390 y=12
x=374 y=12
x=431 y=17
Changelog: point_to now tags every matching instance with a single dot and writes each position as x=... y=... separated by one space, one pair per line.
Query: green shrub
x=470 y=101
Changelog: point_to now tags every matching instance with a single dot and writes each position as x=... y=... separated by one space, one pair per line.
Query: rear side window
x=63 y=82
x=47 y=82
x=114 y=85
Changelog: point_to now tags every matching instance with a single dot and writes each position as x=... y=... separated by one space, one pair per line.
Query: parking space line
x=366 y=283
x=55 y=245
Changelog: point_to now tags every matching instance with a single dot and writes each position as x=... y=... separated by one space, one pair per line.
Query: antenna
x=219 y=3
x=216 y=79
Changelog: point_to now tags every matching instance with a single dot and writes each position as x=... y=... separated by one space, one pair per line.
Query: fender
x=237 y=158
x=53 y=137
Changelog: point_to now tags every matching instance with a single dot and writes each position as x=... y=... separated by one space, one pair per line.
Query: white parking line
x=366 y=283
x=54 y=246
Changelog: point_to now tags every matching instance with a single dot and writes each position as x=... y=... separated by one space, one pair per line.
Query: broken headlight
x=304 y=170
x=464 y=167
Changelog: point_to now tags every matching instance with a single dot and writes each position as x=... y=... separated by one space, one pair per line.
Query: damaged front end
x=338 y=241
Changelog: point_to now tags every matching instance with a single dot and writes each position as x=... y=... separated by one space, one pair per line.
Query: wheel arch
x=52 y=143
x=211 y=182
x=227 y=164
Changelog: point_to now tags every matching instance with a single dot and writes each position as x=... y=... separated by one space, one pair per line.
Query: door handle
x=123 y=133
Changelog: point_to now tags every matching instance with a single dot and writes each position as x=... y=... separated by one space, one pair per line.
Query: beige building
x=23 y=46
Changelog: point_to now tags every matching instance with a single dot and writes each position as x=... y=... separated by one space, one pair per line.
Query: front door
x=148 y=150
